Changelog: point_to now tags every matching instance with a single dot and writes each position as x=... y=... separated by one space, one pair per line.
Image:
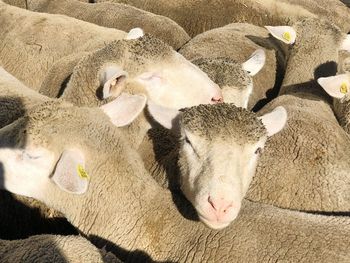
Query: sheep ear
x=345 y=45
x=168 y=118
x=284 y=33
x=275 y=120
x=113 y=79
x=255 y=63
x=335 y=86
x=70 y=174
x=135 y=33
x=124 y=109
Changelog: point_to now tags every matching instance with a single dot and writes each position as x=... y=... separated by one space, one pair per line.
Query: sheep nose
x=217 y=99
x=221 y=206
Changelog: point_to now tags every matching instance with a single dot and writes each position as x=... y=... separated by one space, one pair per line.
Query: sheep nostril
x=217 y=99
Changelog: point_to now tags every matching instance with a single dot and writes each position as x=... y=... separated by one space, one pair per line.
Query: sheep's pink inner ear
x=336 y=86
x=286 y=34
x=275 y=120
x=113 y=80
x=70 y=174
x=124 y=109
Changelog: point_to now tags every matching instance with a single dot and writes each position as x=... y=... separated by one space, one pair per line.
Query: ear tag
x=286 y=35
x=81 y=172
x=344 y=88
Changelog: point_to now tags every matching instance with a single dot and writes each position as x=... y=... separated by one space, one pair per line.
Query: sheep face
x=235 y=83
x=51 y=143
x=165 y=76
x=234 y=79
x=216 y=174
x=219 y=149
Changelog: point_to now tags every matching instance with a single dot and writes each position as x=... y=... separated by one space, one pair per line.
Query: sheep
x=215 y=150
x=100 y=75
x=235 y=82
x=196 y=17
x=121 y=207
x=311 y=173
x=119 y=16
x=51 y=248
x=241 y=128
x=35 y=218
x=237 y=41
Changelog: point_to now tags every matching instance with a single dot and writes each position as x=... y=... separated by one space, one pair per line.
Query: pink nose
x=217 y=99
x=221 y=206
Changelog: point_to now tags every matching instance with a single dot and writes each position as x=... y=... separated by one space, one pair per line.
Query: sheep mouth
x=217 y=225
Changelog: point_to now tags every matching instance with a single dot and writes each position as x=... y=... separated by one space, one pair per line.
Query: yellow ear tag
x=82 y=173
x=286 y=35
x=344 y=88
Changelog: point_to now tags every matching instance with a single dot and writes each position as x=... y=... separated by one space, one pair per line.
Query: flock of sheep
x=174 y=131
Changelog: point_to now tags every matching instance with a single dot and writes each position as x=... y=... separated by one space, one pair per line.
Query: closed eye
x=187 y=141
x=258 y=151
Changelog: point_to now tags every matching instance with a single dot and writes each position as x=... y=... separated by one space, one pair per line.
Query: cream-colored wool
x=310 y=171
x=37 y=40
x=119 y=16
x=237 y=42
x=124 y=207
x=94 y=64
x=196 y=16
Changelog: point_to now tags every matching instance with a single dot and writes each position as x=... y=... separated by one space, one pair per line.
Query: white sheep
x=312 y=173
x=121 y=206
x=47 y=43
x=236 y=126
x=25 y=216
x=237 y=42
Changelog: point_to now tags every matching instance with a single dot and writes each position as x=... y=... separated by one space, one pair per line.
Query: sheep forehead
x=224 y=72
x=223 y=122
x=147 y=47
x=47 y=110
x=57 y=115
x=133 y=56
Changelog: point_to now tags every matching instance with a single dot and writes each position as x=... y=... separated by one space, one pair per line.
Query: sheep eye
x=258 y=151
x=187 y=140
